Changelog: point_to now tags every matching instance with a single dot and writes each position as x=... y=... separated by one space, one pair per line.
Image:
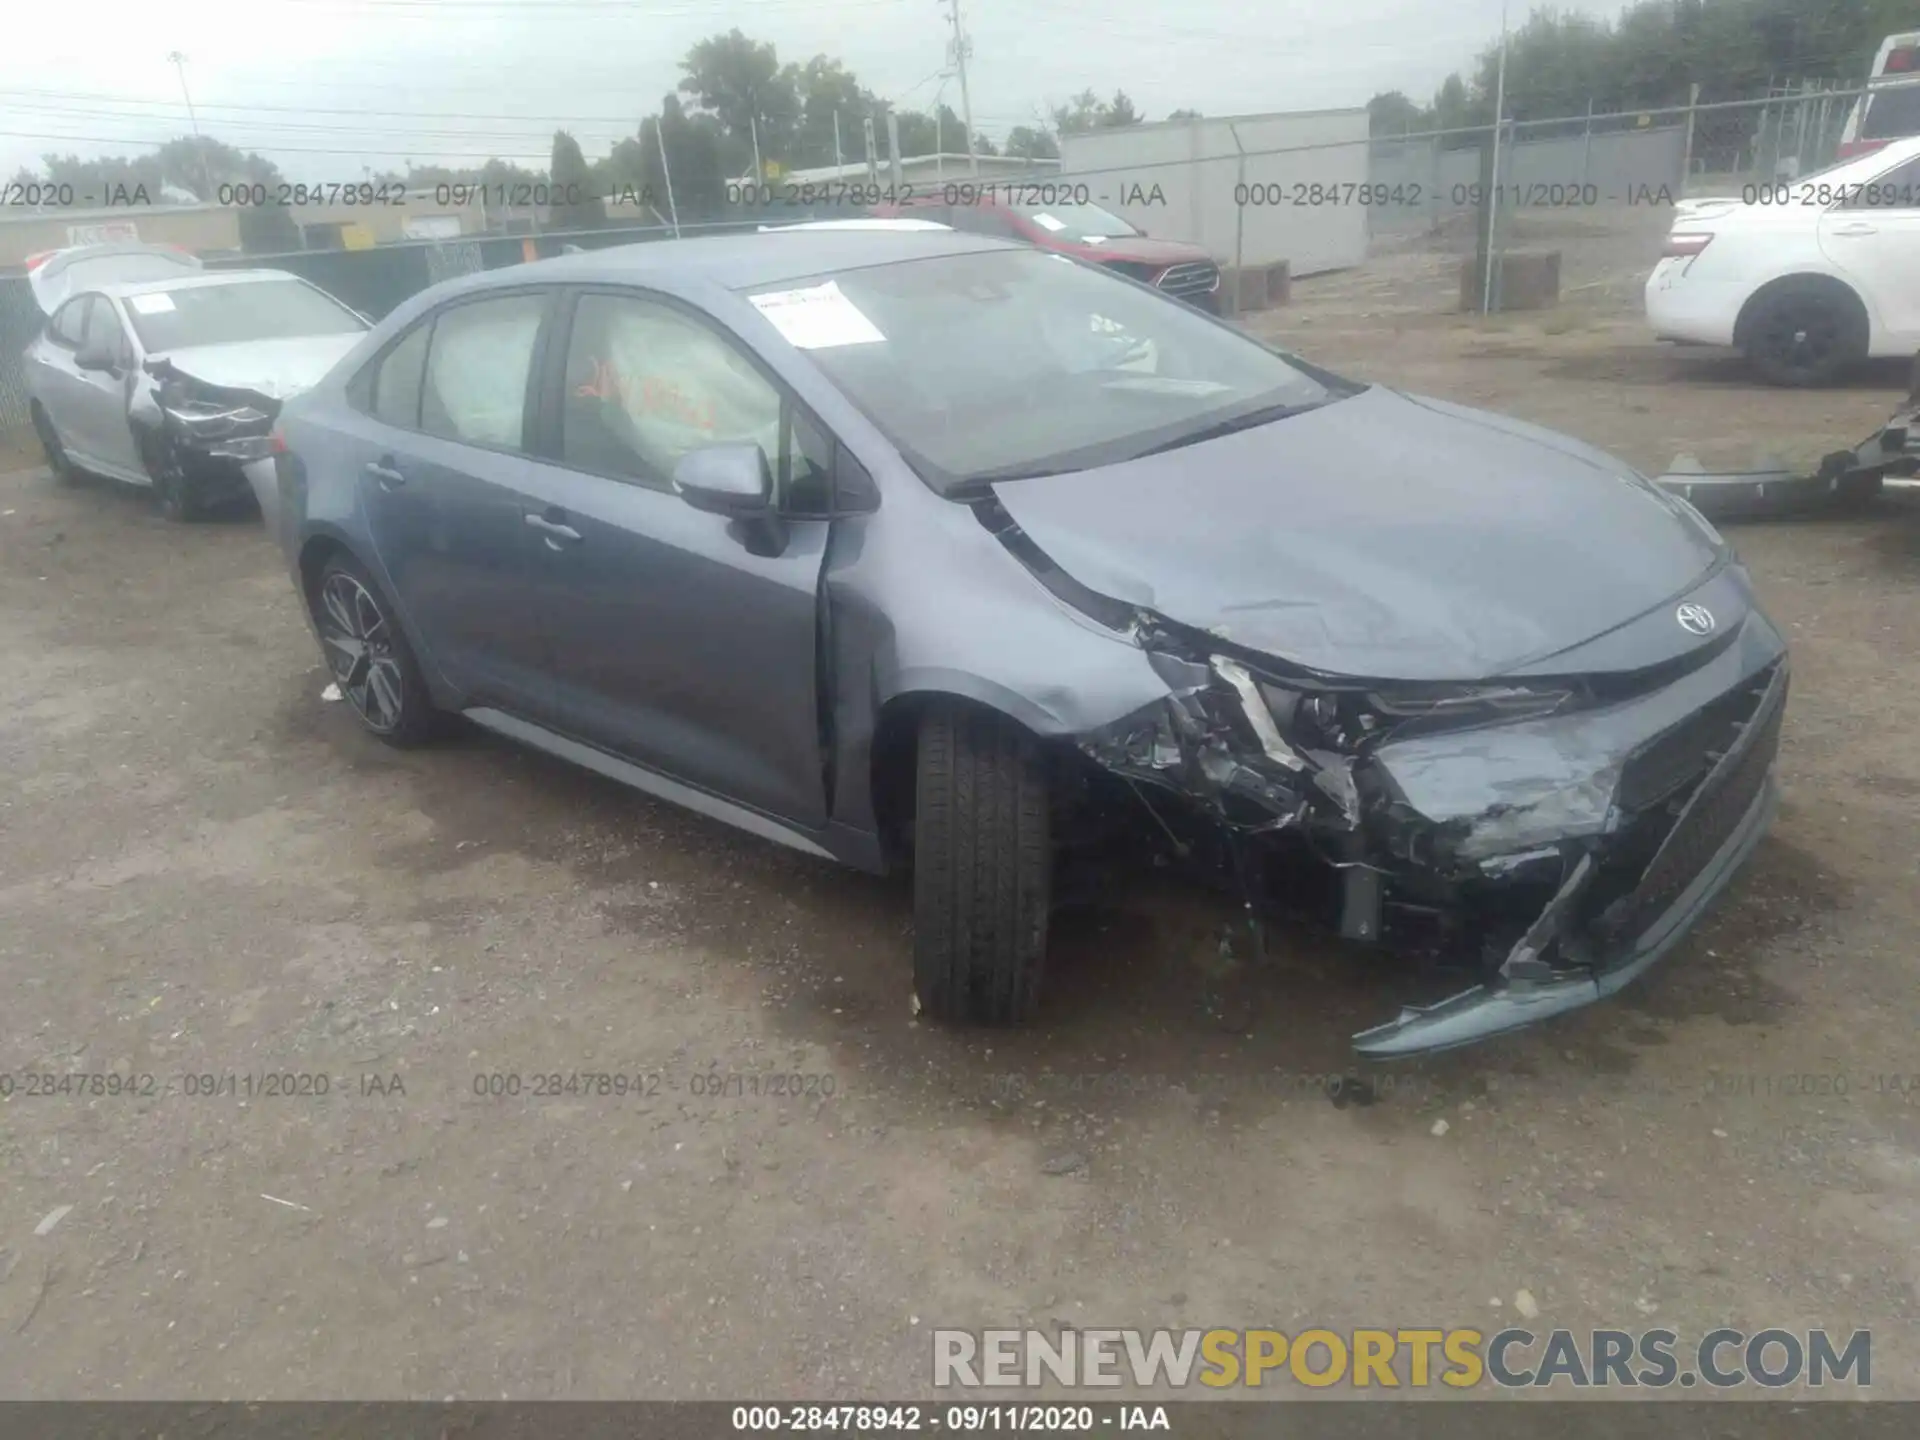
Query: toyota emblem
x=1695 y=619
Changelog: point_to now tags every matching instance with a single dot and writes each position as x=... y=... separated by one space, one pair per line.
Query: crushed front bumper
x=1599 y=832
x=1716 y=830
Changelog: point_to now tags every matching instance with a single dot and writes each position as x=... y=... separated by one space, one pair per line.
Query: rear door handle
x=557 y=533
x=388 y=477
x=1857 y=229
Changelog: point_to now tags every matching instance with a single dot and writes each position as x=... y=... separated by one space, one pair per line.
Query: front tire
x=369 y=657
x=1805 y=334
x=982 y=867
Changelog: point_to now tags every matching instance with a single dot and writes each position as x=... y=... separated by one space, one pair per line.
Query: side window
x=477 y=368
x=1898 y=189
x=69 y=322
x=395 y=394
x=646 y=384
x=103 y=330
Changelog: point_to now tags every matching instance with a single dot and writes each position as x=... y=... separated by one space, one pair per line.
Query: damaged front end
x=197 y=435
x=1556 y=835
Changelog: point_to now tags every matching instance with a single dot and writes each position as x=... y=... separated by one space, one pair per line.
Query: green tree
x=1030 y=142
x=578 y=205
x=1392 y=113
x=740 y=83
x=1087 y=111
x=824 y=88
x=693 y=146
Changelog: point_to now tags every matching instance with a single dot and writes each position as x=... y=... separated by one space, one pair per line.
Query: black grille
x=1672 y=761
x=1709 y=818
x=1190 y=280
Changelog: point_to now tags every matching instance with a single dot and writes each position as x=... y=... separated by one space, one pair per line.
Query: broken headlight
x=230 y=424
x=1344 y=718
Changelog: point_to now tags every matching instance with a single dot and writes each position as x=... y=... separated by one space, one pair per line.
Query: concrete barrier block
x=1523 y=280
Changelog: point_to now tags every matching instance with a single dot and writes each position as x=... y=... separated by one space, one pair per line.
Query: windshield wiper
x=1251 y=420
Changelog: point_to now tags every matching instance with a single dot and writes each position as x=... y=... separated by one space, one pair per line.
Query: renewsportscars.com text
x=1458 y=1359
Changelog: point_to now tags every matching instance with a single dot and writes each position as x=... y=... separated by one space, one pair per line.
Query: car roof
x=741 y=262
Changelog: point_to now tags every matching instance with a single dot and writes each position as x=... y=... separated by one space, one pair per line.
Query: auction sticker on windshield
x=157 y=304
x=818 y=317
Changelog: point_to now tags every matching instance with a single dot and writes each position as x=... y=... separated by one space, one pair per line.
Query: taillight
x=1899 y=61
x=1854 y=148
x=1687 y=243
x=277 y=441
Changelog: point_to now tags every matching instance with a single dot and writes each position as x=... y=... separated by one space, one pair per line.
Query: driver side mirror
x=95 y=358
x=734 y=480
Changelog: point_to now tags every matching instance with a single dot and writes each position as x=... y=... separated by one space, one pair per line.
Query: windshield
x=1893 y=113
x=1076 y=222
x=1006 y=363
x=236 y=313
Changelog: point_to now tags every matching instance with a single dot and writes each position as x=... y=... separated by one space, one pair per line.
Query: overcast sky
x=324 y=87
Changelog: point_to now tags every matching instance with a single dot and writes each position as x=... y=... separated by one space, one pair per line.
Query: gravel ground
x=207 y=871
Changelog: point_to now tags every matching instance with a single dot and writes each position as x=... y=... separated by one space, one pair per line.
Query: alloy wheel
x=1802 y=335
x=359 y=643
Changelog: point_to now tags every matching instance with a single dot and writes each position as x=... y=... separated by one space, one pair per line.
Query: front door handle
x=556 y=532
x=388 y=477
x=1856 y=228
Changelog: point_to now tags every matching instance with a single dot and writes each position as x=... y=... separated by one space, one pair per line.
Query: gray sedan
x=155 y=372
x=922 y=549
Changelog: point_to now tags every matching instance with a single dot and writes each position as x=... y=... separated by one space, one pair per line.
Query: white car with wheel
x=1808 y=277
x=155 y=371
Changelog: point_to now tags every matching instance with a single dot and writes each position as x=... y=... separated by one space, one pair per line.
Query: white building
x=1249 y=189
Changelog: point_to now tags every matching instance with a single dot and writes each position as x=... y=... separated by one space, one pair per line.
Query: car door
x=59 y=384
x=679 y=641
x=1873 y=237
x=440 y=454
x=104 y=404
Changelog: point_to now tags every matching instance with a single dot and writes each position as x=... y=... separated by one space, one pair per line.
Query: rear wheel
x=1805 y=333
x=982 y=866
x=369 y=658
x=57 y=461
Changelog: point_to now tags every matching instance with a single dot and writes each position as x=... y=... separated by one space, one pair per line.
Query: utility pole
x=960 y=47
x=839 y=162
x=206 y=176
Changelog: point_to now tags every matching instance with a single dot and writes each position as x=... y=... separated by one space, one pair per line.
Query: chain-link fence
x=1585 y=200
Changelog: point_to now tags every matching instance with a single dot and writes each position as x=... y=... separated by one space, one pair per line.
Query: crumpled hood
x=273 y=368
x=1383 y=536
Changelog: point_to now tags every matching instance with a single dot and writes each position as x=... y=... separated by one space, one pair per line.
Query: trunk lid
x=61 y=273
x=1383 y=536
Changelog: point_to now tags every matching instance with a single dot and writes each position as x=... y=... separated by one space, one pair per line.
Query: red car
x=1059 y=216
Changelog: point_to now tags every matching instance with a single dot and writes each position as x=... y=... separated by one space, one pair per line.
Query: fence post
x=1586 y=146
x=1239 y=216
x=1686 y=154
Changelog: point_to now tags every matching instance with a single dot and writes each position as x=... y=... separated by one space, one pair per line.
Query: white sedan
x=1807 y=277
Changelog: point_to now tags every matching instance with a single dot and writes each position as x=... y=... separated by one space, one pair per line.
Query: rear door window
x=478 y=362
x=104 y=333
x=395 y=394
x=1892 y=113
